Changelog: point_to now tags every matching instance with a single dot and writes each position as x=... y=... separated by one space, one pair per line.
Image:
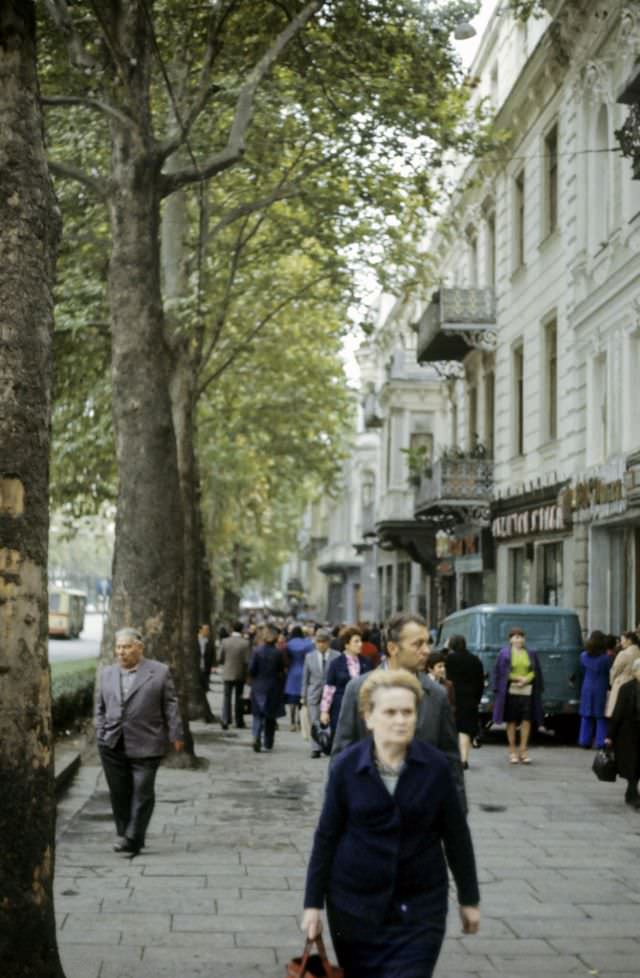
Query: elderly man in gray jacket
x=407 y=648
x=136 y=721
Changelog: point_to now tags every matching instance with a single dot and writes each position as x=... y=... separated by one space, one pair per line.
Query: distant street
x=85 y=647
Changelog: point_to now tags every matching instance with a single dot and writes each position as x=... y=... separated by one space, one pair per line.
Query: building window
x=472 y=417
x=551 y=366
x=491 y=251
x=517 y=575
x=494 y=83
x=551 y=180
x=454 y=423
x=473 y=259
x=395 y=459
x=518 y=220
x=597 y=404
x=489 y=411
x=600 y=189
x=518 y=400
x=403 y=579
x=550 y=562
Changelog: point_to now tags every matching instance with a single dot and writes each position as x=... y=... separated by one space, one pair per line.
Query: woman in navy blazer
x=378 y=859
x=348 y=665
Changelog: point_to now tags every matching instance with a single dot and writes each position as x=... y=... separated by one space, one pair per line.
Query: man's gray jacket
x=148 y=718
x=435 y=724
x=235 y=652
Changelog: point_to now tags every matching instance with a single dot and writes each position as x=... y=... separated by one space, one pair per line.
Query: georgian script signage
x=595 y=492
x=542 y=519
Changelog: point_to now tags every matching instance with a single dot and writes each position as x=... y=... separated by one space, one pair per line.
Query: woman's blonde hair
x=387 y=679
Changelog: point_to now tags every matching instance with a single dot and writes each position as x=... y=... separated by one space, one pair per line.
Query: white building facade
x=551 y=228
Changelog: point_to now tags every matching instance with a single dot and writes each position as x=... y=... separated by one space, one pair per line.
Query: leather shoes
x=257 y=746
x=127 y=845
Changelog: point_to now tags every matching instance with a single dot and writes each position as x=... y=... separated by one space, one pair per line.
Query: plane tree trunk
x=29 y=232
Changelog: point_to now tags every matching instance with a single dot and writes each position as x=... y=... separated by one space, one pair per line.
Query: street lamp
x=463 y=30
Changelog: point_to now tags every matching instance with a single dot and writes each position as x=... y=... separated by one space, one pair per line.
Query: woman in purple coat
x=595 y=665
x=518 y=684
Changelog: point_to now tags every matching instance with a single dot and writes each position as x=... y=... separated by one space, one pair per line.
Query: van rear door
x=557 y=640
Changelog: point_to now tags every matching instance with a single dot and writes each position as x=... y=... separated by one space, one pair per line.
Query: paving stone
x=199 y=923
x=218 y=892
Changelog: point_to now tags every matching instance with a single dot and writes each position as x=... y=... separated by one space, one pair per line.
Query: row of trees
x=226 y=171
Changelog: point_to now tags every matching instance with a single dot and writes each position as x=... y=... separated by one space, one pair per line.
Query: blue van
x=555 y=635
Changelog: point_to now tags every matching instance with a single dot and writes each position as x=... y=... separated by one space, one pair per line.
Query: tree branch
x=89 y=103
x=252 y=207
x=235 y=147
x=59 y=13
x=205 y=88
x=253 y=333
x=66 y=172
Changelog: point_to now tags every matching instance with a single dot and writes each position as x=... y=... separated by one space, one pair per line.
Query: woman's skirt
x=517 y=709
x=396 y=949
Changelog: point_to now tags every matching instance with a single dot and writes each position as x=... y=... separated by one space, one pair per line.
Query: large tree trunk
x=29 y=228
x=148 y=560
x=182 y=390
x=183 y=398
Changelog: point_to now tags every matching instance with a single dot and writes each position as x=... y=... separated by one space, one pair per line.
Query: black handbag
x=322 y=736
x=604 y=765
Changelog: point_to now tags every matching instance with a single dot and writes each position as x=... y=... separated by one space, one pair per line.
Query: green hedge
x=72 y=685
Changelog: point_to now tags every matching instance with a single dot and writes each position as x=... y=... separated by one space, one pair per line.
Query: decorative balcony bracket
x=629 y=135
x=481 y=339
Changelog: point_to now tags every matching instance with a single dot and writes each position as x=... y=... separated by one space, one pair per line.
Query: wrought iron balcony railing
x=456 y=321
x=455 y=490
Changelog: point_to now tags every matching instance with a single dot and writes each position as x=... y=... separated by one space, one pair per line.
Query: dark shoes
x=465 y=765
x=225 y=726
x=128 y=846
x=241 y=726
x=316 y=753
x=257 y=746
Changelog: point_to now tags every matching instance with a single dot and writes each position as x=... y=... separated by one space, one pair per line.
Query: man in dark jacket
x=266 y=672
x=407 y=648
x=136 y=721
x=204 y=651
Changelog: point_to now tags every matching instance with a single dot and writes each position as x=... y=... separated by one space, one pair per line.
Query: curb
x=66 y=768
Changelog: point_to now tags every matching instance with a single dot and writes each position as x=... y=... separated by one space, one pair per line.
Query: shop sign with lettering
x=542 y=519
x=595 y=498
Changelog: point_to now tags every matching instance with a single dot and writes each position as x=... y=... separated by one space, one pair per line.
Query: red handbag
x=313 y=965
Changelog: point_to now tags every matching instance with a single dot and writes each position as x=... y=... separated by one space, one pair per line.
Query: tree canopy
x=309 y=140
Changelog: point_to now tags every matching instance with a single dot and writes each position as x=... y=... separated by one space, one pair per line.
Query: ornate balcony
x=455 y=490
x=456 y=321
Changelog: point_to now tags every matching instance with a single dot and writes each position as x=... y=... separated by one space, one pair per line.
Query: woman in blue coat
x=595 y=665
x=346 y=667
x=390 y=823
x=298 y=648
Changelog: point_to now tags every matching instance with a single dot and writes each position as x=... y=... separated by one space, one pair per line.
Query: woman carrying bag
x=624 y=735
x=391 y=813
x=518 y=685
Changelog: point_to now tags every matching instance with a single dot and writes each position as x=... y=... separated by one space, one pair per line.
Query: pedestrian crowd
x=398 y=719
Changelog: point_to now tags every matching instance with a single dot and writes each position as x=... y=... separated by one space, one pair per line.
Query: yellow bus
x=66 y=612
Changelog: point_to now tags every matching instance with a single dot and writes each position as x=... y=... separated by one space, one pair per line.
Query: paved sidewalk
x=218 y=891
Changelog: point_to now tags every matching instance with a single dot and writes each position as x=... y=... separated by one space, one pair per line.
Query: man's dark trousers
x=131 y=782
x=231 y=685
